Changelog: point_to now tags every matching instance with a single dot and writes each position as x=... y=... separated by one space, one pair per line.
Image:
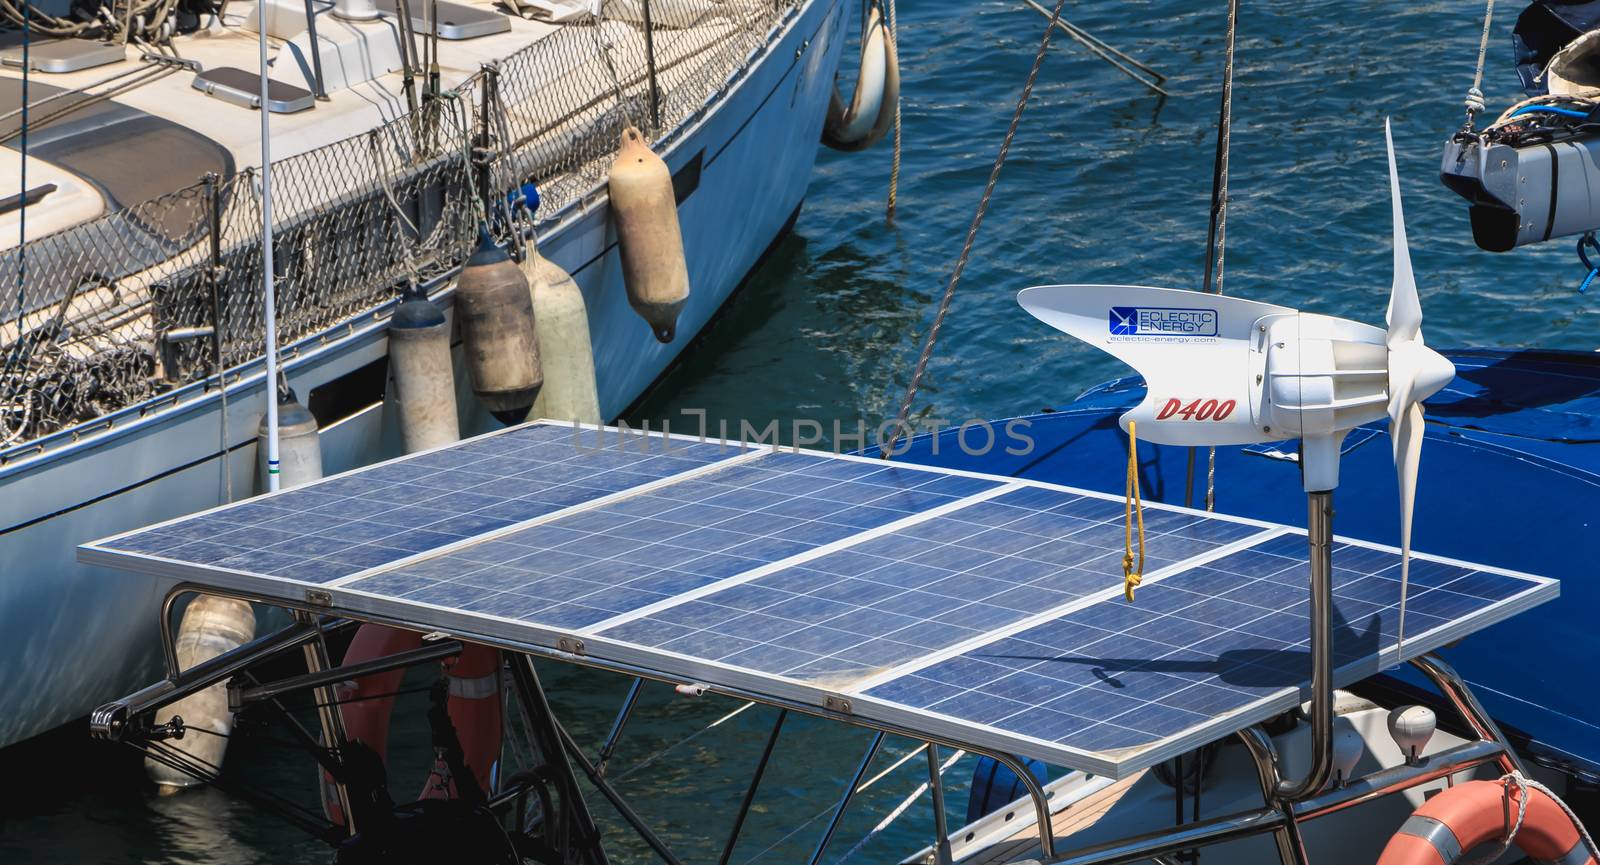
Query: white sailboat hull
x=73 y=636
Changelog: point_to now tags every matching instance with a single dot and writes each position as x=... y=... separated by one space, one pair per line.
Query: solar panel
x=984 y=610
x=420 y=503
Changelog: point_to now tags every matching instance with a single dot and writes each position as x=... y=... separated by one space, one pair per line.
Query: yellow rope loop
x=1133 y=511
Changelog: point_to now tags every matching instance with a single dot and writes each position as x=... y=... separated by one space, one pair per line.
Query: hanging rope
x=1132 y=511
x=904 y=414
x=1217 y=232
x=894 y=164
x=1474 y=101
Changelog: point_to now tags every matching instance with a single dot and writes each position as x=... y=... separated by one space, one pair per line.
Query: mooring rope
x=904 y=414
x=1217 y=233
x=894 y=163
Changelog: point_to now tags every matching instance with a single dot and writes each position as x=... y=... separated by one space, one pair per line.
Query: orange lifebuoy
x=1476 y=812
x=474 y=707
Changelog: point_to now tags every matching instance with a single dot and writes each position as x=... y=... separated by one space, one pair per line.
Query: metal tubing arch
x=109 y=721
x=1153 y=845
x=1461 y=698
x=1291 y=846
x=1397 y=778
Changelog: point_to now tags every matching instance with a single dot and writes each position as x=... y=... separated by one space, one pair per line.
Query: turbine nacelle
x=1229 y=371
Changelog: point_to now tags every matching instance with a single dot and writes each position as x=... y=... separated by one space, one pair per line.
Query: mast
x=267 y=288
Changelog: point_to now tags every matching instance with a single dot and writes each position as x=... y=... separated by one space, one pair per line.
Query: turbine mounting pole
x=1319 y=534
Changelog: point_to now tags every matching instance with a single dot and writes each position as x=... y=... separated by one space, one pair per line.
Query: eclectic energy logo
x=1163 y=323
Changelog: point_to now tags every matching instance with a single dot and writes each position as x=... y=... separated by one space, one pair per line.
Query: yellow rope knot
x=1133 y=509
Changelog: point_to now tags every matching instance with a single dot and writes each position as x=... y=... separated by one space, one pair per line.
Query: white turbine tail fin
x=1405 y=310
x=1193 y=350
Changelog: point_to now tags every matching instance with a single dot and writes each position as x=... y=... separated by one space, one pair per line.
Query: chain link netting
x=136 y=303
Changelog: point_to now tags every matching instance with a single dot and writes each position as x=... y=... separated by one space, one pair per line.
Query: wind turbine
x=1229 y=371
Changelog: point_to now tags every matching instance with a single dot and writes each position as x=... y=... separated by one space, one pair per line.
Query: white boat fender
x=870 y=113
x=210 y=626
x=648 y=238
x=299 y=447
x=419 y=362
x=1348 y=748
x=497 y=334
x=561 y=321
x=1411 y=727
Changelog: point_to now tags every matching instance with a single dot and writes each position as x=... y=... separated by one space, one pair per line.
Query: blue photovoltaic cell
x=337 y=527
x=924 y=587
x=580 y=569
x=1195 y=645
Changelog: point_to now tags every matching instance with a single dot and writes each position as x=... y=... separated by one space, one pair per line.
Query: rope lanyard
x=1132 y=512
x=903 y=416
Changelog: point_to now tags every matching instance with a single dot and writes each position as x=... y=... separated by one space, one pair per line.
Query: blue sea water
x=1105 y=183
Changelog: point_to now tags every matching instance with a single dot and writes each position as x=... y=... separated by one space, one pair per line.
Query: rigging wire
x=1217 y=233
x=903 y=416
x=1474 y=100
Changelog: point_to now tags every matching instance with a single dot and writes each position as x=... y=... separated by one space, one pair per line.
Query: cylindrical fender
x=474 y=707
x=1462 y=817
x=870 y=113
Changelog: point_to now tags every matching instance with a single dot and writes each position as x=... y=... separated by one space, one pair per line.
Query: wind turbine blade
x=1407 y=431
x=1405 y=311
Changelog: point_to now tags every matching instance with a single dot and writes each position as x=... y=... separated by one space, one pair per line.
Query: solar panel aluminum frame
x=586 y=647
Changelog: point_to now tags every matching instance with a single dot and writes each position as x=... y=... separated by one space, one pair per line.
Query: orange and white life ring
x=474 y=708
x=1482 y=812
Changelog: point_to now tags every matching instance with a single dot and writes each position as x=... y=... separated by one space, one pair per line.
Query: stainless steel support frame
x=750 y=791
x=610 y=745
x=1319 y=534
x=1281 y=815
x=623 y=809
x=111 y=721
x=1036 y=794
x=1461 y=698
x=941 y=832
x=844 y=798
x=332 y=720
x=556 y=747
x=238 y=697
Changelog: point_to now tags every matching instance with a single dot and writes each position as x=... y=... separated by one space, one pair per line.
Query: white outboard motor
x=1525 y=193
